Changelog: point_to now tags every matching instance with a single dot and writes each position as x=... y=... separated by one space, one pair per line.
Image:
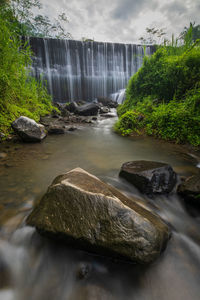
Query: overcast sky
x=123 y=20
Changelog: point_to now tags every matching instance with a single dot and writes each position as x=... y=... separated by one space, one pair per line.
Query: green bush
x=166 y=91
x=128 y=123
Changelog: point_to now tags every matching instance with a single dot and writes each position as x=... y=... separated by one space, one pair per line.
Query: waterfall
x=76 y=70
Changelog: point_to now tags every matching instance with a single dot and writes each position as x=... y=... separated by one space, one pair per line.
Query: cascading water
x=76 y=70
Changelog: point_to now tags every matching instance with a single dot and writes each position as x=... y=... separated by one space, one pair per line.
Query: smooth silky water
x=34 y=268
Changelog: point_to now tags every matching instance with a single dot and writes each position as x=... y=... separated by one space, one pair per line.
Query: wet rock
x=87 y=213
x=63 y=109
x=109 y=115
x=56 y=129
x=104 y=110
x=107 y=102
x=149 y=176
x=71 y=107
x=88 y=109
x=83 y=271
x=28 y=130
x=3 y=155
x=71 y=128
x=190 y=190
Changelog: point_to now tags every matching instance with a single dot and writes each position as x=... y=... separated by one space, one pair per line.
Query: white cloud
x=123 y=20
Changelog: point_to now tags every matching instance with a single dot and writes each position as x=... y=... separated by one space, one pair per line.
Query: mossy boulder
x=86 y=212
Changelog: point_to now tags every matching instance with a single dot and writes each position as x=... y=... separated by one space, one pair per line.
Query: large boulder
x=28 y=130
x=148 y=176
x=190 y=190
x=90 y=214
x=88 y=109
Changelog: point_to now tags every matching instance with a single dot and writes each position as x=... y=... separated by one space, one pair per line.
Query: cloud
x=131 y=8
x=123 y=20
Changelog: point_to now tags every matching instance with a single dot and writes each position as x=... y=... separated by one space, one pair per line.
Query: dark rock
x=71 y=128
x=90 y=214
x=107 y=102
x=94 y=118
x=149 y=176
x=28 y=130
x=71 y=107
x=83 y=271
x=56 y=129
x=190 y=190
x=63 y=108
x=104 y=110
x=89 y=109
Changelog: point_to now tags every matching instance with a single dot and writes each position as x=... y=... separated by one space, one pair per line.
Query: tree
x=153 y=35
x=190 y=34
x=36 y=25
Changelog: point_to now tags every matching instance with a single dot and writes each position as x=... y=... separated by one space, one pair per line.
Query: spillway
x=77 y=70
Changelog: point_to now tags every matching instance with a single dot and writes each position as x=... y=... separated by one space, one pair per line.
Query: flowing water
x=76 y=70
x=34 y=268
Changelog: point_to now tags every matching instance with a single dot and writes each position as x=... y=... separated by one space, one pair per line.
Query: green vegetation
x=20 y=94
x=163 y=97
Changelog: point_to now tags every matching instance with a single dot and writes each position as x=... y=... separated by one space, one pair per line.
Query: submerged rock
x=90 y=214
x=56 y=129
x=149 y=176
x=190 y=190
x=28 y=130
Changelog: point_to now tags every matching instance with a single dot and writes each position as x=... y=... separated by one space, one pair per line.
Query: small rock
x=28 y=130
x=83 y=271
x=107 y=102
x=71 y=107
x=104 y=110
x=56 y=129
x=190 y=190
x=3 y=155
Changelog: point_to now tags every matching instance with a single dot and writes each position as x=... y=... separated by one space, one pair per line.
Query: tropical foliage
x=20 y=94
x=165 y=93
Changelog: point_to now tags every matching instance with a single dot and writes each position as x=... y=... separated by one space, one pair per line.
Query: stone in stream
x=88 y=109
x=56 y=129
x=28 y=130
x=71 y=107
x=149 y=176
x=107 y=102
x=190 y=190
x=86 y=212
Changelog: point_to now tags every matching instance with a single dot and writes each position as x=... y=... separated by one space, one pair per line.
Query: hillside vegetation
x=20 y=94
x=163 y=97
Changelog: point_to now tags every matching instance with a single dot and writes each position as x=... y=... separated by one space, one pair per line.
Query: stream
x=35 y=268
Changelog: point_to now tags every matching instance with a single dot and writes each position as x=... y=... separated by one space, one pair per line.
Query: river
x=34 y=268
